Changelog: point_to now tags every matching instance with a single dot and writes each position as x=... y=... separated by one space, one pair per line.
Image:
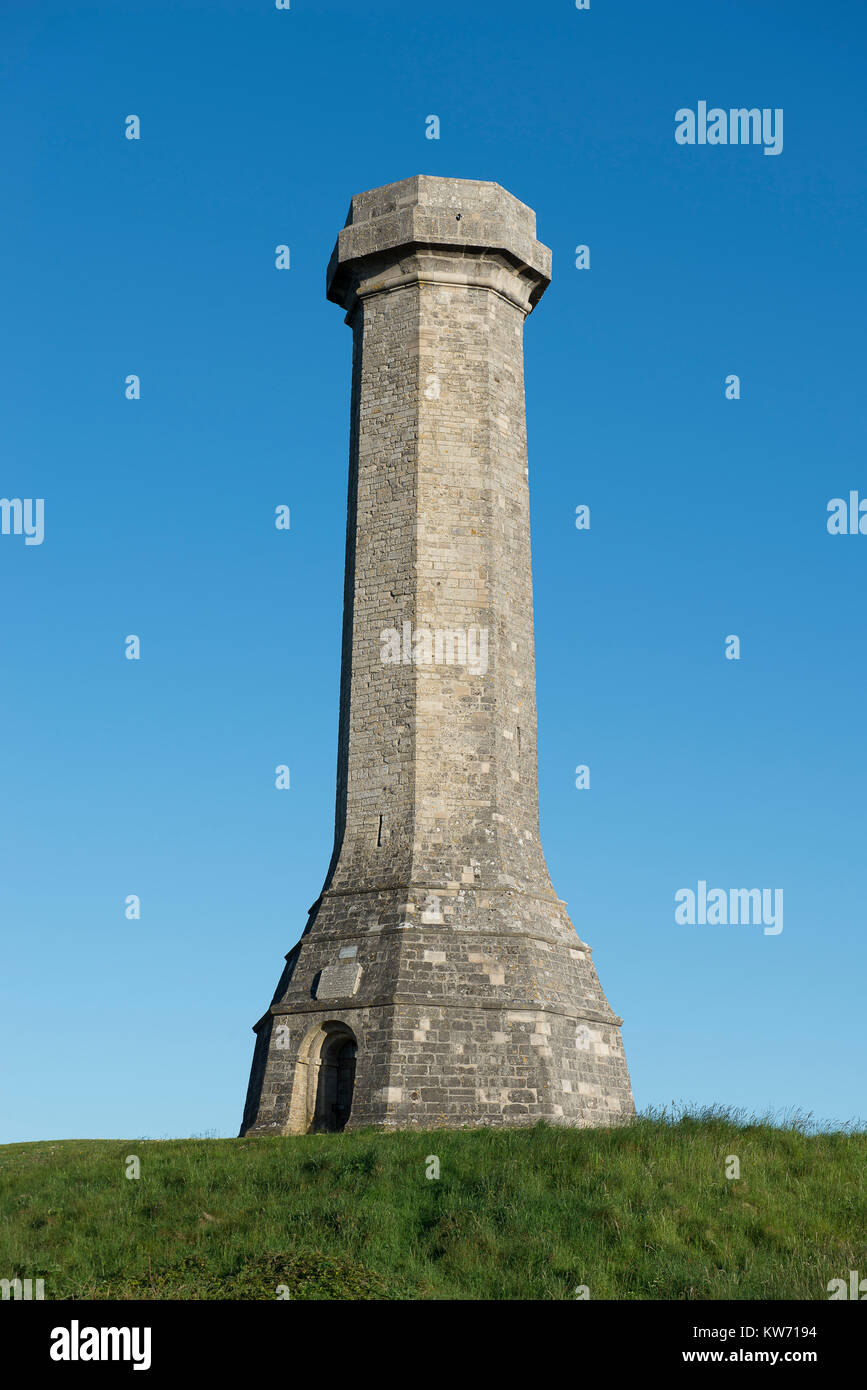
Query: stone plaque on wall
x=337 y=981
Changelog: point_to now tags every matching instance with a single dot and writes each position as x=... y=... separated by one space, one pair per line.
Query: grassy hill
x=644 y=1211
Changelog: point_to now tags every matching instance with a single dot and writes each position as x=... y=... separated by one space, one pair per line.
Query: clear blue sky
x=708 y=517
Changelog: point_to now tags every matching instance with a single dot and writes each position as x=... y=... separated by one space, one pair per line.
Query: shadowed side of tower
x=439 y=980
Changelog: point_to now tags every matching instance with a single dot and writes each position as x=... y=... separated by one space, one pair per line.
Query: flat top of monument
x=472 y=196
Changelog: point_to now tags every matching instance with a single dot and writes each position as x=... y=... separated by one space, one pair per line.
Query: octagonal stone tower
x=439 y=981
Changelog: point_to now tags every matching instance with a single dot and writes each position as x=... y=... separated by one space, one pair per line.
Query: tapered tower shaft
x=439 y=966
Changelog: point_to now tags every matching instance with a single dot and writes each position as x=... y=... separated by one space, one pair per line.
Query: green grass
x=643 y=1211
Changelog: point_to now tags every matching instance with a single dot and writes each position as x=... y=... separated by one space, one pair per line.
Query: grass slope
x=639 y=1212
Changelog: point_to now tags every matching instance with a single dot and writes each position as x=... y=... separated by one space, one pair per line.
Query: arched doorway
x=335 y=1082
x=324 y=1080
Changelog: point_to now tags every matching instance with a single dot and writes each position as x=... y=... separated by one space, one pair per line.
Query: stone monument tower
x=439 y=981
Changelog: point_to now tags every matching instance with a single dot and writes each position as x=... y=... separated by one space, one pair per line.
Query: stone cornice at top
x=428 y=212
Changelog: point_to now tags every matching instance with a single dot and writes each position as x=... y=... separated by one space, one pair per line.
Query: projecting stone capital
x=438 y=231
